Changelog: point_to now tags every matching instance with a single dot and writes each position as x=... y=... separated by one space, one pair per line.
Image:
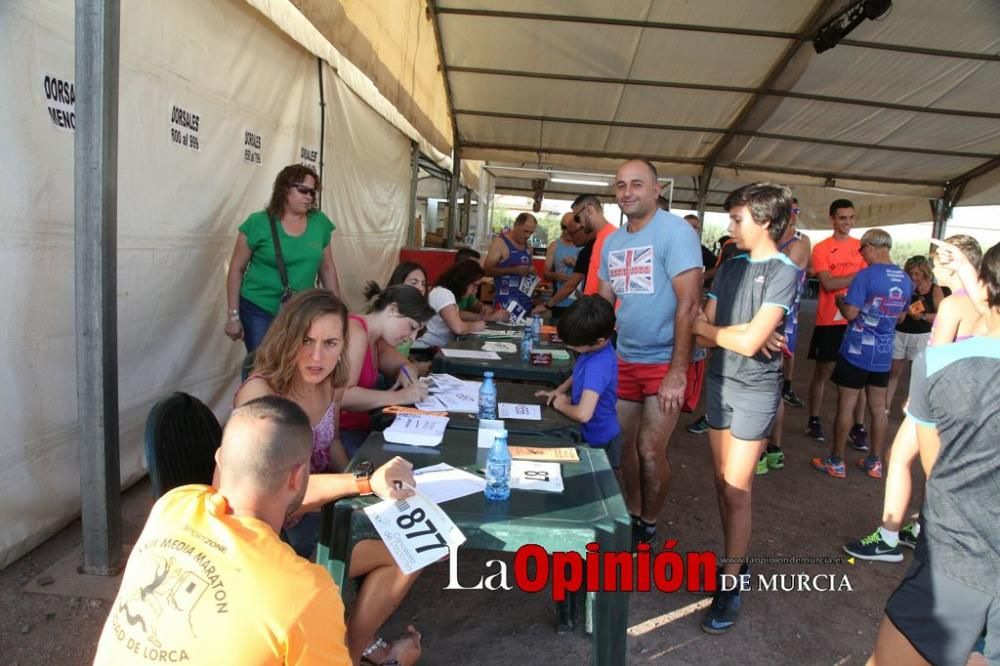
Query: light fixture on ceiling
x=578 y=181
x=846 y=20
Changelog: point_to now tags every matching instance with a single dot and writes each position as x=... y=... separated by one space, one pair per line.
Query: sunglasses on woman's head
x=302 y=189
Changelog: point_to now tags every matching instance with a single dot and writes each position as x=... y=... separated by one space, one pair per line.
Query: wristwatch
x=363 y=475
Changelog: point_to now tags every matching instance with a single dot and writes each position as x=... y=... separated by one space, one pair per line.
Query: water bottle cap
x=488 y=373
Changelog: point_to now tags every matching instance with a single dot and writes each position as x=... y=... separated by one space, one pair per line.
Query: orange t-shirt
x=839 y=258
x=203 y=586
x=595 y=260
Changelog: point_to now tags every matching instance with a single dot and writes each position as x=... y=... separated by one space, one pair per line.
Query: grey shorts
x=943 y=618
x=747 y=413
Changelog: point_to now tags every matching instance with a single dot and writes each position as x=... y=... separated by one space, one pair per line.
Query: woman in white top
x=454 y=284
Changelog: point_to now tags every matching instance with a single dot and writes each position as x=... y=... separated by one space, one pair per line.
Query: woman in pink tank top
x=394 y=316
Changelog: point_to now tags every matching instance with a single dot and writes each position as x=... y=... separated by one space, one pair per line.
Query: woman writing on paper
x=394 y=316
x=300 y=359
x=257 y=283
x=456 y=283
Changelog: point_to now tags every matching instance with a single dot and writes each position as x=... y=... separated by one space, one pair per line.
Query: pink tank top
x=367 y=379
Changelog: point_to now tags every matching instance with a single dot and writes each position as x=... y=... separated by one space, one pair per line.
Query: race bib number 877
x=415 y=530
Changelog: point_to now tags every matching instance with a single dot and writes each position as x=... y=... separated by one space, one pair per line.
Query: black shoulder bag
x=286 y=291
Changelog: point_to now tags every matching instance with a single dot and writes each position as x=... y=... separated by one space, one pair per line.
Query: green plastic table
x=510 y=366
x=590 y=509
x=553 y=424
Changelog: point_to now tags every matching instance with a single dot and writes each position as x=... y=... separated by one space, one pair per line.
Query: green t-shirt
x=466 y=302
x=302 y=254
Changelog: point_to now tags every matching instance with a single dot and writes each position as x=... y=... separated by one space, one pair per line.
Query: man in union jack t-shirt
x=652 y=266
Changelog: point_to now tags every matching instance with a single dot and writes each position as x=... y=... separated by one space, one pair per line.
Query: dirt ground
x=797 y=513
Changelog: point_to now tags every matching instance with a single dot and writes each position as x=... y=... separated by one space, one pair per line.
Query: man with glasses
x=876 y=300
x=560 y=261
x=573 y=283
x=589 y=213
x=835 y=262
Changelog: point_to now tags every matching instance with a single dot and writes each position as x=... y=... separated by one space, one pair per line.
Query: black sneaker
x=642 y=532
x=721 y=615
x=699 y=427
x=874 y=548
x=814 y=430
x=791 y=399
x=908 y=535
x=858 y=437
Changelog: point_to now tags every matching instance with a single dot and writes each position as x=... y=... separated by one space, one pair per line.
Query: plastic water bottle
x=488 y=397
x=536 y=329
x=498 y=468
x=527 y=345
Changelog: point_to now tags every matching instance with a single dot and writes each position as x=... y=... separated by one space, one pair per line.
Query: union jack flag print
x=631 y=270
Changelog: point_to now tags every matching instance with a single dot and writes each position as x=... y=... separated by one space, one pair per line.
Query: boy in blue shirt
x=586 y=327
x=877 y=299
x=744 y=318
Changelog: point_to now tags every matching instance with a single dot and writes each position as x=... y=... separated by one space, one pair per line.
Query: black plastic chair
x=182 y=435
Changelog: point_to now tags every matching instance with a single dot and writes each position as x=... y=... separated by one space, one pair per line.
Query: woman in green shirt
x=254 y=286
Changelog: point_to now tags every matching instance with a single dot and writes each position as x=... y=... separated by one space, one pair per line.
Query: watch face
x=363 y=469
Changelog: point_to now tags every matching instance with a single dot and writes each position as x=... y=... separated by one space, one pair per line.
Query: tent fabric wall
x=178 y=212
x=367 y=190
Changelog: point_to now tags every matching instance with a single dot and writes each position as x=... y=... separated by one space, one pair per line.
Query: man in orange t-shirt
x=210 y=582
x=835 y=261
x=588 y=212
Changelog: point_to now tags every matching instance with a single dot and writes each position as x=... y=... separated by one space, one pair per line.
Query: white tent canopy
x=717 y=93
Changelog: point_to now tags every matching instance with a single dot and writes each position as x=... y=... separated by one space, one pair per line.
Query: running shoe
x=761 y=465
x=858 y=437
x=699 y=427
x=908 y=535
x=814 y=430
x=830 y=466
x=721 y=615
x=642 y=533
x=775 y=459
x=872 y=466
x=791 y=399
x=874 y=548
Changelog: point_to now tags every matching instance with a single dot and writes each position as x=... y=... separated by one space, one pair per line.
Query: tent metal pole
x=95 y=158
x=702 y=183
x=411 y=212
x=941 y=214
x=322 y=130
x=456 y=174
x=466 y=211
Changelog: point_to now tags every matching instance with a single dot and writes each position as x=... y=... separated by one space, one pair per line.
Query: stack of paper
x=416 y=430
x=451 y=394
x=440 y=483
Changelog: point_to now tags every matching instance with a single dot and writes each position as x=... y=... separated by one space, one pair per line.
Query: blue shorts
x=747 y=413
x=613 y=448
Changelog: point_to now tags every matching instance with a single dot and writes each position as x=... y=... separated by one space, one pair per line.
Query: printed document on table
x=416 y=429
x=471 y=353
x=533 y=475
x=440 y=483
x=514 y=410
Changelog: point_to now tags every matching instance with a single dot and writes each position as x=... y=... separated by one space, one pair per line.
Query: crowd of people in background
x=660 y=324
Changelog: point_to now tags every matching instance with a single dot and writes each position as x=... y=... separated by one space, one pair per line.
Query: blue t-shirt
x=881 y=292
x=639 y=267
x=597 y=371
